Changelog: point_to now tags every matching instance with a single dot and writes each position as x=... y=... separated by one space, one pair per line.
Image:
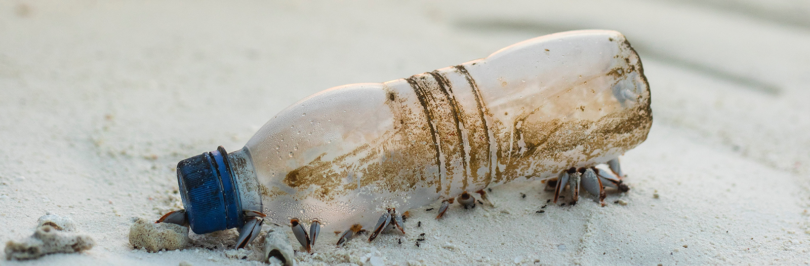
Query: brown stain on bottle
x=455 y=109
x=483 y=115
x=400 y=159
x=424 y=100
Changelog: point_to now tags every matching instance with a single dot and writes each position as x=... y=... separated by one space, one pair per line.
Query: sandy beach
x=99 y=100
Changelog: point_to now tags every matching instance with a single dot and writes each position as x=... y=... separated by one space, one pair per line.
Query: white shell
x=277 y=244
x=54 y=234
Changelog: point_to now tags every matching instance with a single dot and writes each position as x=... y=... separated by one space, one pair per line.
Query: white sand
x=99 y=101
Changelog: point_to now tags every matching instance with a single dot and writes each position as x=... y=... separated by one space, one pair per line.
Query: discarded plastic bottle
x=346 y=154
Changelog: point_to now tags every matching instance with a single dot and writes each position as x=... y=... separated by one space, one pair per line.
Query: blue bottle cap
x=210 y=195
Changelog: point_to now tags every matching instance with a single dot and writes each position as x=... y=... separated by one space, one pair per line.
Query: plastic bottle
x=345 y=154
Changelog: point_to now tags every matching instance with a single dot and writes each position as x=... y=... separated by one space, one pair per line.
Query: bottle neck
x=244 y=174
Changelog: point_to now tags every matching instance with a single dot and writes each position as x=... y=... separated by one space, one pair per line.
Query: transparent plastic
x=528 y=111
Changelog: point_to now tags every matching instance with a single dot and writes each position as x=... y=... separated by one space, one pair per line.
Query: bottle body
x=529 y=111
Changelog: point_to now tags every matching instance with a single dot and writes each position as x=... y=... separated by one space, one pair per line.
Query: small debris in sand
x=238 y=254
x=158 y=236
x=54 y=234
x=655 y=194
x=185 y=263
x=376 y=261
x=621 y=202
